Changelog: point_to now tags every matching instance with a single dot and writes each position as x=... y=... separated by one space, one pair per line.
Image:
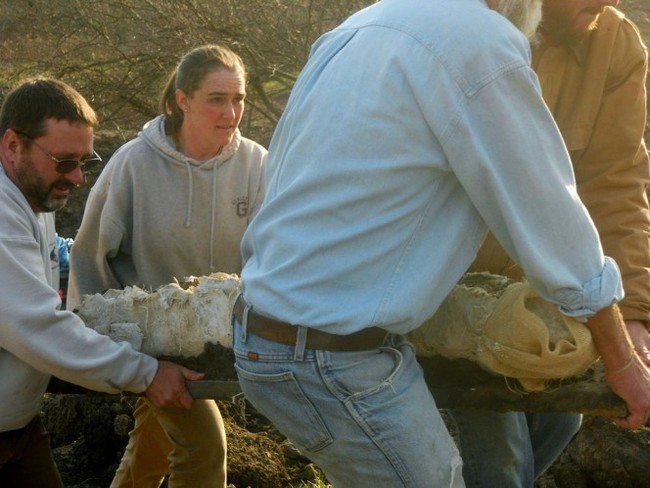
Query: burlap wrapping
x=527 y=338
x=513 y=333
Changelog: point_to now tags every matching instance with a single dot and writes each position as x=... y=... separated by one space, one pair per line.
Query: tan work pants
x=189 y=445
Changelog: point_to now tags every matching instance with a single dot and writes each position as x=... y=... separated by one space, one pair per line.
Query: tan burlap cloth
x=511 y=331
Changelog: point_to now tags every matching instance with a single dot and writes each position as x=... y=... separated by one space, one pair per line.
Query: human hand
x=168 y=386
x=632 y=384
x=640 y=338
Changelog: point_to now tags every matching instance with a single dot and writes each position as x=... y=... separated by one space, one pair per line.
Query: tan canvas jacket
x=596 y=92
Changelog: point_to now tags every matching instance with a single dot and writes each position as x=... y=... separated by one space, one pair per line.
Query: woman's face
x=213 y=111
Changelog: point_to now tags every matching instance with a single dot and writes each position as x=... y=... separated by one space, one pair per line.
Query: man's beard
x=524 y=14
x=36 y=191
x=562 y=32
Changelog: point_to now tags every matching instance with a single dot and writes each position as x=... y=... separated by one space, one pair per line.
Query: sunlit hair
x=524 y=14
x=27 y=107
x=189 y=73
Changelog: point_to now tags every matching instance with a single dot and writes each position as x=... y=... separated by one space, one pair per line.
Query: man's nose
x=76 y=176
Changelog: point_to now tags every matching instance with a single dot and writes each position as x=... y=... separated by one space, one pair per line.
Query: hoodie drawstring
x=188 y=212
x=213 y=216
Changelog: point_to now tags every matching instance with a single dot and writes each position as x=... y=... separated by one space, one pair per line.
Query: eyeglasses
x=64 y=166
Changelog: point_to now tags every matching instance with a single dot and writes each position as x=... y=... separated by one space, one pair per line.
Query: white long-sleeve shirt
x=36 y=338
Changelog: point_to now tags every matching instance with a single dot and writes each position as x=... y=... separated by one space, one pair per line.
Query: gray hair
x=524 y=14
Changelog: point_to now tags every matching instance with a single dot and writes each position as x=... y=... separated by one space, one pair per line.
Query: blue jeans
x=509 y=449
x=550 y=433
x=365 y=418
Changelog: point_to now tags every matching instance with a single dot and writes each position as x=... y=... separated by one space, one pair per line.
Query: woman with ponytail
x=174 y=202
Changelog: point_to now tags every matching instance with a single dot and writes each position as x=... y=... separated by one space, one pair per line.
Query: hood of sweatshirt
x=153 y=133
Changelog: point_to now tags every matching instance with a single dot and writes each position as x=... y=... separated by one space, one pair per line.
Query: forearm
x=640 y=338
x=611 y=337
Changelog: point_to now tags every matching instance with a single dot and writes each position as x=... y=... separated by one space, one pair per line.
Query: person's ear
x=181 y=100
x=12 y=145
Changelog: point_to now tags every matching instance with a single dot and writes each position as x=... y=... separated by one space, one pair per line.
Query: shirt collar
x=579 y=50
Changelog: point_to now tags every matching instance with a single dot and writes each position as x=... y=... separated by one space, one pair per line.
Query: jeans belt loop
x=244 y=316
x=301 y=343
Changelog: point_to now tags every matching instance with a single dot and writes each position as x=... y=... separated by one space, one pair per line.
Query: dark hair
x=27 y=107
x=189 y=73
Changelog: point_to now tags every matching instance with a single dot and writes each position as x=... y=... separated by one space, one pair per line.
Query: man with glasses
x=46 y=131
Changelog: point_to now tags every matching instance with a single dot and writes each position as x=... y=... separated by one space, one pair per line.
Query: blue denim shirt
x=414 y=126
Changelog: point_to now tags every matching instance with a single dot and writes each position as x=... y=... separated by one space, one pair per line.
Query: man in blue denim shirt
x=414 y=126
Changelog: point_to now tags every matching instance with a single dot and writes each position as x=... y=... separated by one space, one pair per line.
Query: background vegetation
x=119 y=53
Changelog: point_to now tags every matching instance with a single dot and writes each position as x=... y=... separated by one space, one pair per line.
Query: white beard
x=524 y=14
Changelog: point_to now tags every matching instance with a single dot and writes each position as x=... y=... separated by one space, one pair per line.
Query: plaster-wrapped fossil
x=174 y=320
x=502 y=325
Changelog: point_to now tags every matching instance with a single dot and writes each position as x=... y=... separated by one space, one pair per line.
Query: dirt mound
x=89 y=433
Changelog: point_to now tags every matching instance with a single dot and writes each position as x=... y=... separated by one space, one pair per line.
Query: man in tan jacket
x=592 y=66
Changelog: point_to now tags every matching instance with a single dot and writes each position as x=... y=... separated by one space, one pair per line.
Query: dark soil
x=89 y=432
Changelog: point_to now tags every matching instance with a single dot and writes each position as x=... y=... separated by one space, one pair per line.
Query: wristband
x=623 y=368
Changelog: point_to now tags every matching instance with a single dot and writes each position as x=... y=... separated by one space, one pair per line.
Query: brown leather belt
x=276 y=331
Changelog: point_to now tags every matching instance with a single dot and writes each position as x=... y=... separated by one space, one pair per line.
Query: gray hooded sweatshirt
x=155 y=214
